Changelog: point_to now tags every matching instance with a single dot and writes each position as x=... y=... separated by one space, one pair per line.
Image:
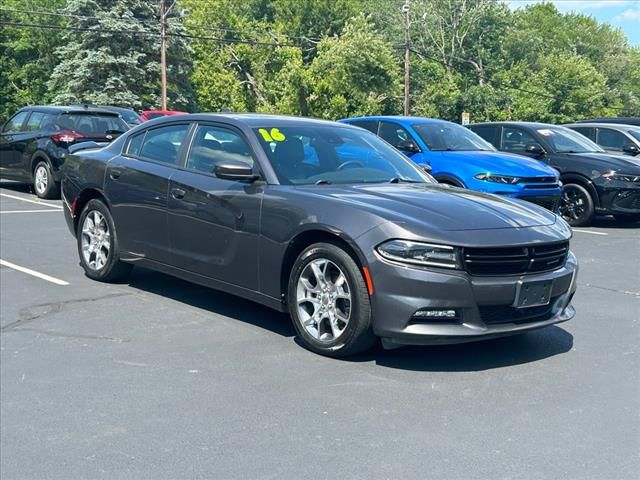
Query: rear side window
x=135 y=144
x=91 y=123
x=212 y=145
x=15 y=123
x=611 y=139
x=163 y=144
x=34 y=122
x=516 y=139
x=586 y=131
x=371 y=125
x=489 y=133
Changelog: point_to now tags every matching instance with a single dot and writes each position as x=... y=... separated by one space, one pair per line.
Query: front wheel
x=576 y=205
x=329 y=302
x=43 y=182
x=98 y=244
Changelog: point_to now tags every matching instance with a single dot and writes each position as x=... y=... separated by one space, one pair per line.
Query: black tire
x=576 y=205
x=452 y=183
x=628 y=217
x=113 y=268
x=357 y=335
x=44 y=184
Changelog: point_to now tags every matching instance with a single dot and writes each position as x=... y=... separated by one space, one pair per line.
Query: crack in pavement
x=624 y=292
x=53 y=333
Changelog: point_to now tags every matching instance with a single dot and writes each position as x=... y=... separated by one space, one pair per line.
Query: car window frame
x=180 y=157
x=256 y=168
x=22 y=125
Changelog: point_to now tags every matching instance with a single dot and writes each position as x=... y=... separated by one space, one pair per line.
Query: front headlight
x=489 y=177
x=418 y=253
x=621 y=177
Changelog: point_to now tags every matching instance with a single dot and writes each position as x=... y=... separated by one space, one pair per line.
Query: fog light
x=439 y=314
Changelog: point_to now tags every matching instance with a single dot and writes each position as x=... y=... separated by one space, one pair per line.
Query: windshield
x=91 y=123
x=635 y=133
x=450 y=137
x=312 y=154
x=565 y=140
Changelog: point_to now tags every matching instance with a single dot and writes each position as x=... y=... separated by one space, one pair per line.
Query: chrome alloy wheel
x=96 y=240
x=41 y=179
x=324 y=300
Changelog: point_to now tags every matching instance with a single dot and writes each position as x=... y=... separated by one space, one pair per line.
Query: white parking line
x=31 y=211
x=589 y=231
x=37 y=202
x=28 y=271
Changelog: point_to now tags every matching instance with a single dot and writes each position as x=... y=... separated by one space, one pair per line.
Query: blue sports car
x=461 y=158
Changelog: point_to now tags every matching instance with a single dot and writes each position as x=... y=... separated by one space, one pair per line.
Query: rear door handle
x=178 y=193
x=115 y=174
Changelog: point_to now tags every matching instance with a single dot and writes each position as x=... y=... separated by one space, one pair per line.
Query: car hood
x=438 y=207
x=501 y=163
x=622 y=163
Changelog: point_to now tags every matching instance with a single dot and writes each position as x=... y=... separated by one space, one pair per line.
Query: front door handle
x=178 y=193
x=115 y=174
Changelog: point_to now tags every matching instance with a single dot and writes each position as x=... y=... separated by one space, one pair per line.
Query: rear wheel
x=43 y=183
x=329 y=302
x=98 y=244
x=576 y=205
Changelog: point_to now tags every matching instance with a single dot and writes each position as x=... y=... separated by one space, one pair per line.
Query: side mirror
x=631 y=149
x=407 y=146
x=534 y=149
x=427 y=168
x=234 y=170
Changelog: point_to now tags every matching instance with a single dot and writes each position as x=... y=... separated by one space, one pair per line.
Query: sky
x=624 y=14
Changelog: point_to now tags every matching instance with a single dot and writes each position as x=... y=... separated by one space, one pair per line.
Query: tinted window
x=163 y=144
x=635 y=133
x=35 y=119
x=135 y=144
x=489 y=133
x=393 y=133
x=15 y=123
x=371 y=125
x=611 y=139
x=312 y=154
x=516 y=139
x=440 y=136
x=212 y=145
x=586 y=131
x=48 y=122
x=91 y=123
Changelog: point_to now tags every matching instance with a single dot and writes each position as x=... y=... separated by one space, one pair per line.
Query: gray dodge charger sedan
x=323 y=220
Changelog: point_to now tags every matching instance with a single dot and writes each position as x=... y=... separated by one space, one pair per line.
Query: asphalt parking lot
x=157 y=378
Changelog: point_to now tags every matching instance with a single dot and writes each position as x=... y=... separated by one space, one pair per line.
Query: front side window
x=516 y=139
x=15 y=123
x=163 y=144
x=212 y=145
x=313 y=154
x=450 y=137
x=611 y=139
x=565 y=140
x=394 y=134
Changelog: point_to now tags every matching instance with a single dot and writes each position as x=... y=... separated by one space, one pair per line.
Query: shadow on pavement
x=502 y=352
x=611 y=222
x=16 y=186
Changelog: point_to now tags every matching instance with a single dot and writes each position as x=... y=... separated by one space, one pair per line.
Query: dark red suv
x=34 y=142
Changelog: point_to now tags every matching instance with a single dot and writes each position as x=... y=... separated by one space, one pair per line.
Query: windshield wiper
x=323 y=182
x=403 y=180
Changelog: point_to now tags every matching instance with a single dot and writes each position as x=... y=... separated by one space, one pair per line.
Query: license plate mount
x=533 y=294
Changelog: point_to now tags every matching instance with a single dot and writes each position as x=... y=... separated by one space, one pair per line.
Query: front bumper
x=484 y=304
x=620 y=200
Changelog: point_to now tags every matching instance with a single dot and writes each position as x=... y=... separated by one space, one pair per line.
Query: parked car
x=614 y=138
x=461 y=158
x=151 y=114
x=620 y=120
x=594 y=181
x=130 y=116
x=268 y=208
x=34 y=142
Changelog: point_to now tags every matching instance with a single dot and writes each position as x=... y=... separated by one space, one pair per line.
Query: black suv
x=594 y=181
x=34 y=142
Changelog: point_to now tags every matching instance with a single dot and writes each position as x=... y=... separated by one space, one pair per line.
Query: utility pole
x=405 y=11
x=163 y=54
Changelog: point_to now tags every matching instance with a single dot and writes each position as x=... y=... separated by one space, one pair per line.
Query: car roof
x=402 y=119
x=618 y=120
x=251 y=120
x=615 y=126
x=69 y=109
x=519 y=124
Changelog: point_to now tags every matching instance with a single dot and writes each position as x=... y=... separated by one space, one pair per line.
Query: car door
x=13 y=143
x=137 y=185
x=214 y=223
